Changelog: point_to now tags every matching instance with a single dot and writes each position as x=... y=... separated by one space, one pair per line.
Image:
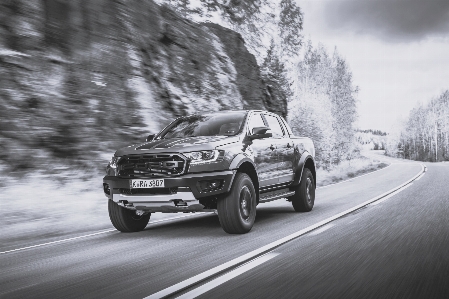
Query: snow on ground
x=40 y=208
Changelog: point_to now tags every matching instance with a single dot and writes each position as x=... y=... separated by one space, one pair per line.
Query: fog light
x=211 y=185
x=106 y=189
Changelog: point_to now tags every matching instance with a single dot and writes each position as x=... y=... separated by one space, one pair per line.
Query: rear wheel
x=304 y=197
x=126 y=220
x=237 y=209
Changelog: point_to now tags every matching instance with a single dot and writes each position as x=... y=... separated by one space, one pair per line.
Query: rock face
x=82 y=77
x=256 y=90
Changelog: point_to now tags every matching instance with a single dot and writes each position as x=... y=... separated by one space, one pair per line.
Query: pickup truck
x=226 y=162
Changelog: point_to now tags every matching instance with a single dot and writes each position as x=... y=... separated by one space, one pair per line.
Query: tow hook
x=124 y=203
x=140 y=212
x=180 y=203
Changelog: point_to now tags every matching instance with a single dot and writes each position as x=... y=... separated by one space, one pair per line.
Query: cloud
x=391 y=20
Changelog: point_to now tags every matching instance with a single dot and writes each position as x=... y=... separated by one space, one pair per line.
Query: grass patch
x=346 y=170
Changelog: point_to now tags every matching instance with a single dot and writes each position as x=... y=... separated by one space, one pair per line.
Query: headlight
x=204 y=156
x=113 y=162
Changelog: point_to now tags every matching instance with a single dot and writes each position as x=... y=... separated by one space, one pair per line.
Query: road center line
x=94 y=234
x=228 y=276
x=392 y=194
x=420 y=176
x=269 y=247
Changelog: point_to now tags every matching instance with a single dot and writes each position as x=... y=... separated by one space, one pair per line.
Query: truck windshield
x=217 y=124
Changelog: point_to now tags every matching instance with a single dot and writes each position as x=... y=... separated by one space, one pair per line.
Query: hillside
x=79 y=79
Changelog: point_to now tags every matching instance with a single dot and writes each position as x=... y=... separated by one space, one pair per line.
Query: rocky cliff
x=80 y=78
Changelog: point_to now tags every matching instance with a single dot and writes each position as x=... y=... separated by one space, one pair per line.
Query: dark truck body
x=161 y=175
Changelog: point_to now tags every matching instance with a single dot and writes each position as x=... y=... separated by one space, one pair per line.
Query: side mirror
x=260 y=132
x=150 y=137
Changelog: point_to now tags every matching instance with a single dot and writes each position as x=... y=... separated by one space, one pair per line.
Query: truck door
x=263 y=152
x=284 y=148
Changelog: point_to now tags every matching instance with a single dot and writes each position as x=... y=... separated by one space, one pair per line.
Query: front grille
x=152 y=166
x=152 y=191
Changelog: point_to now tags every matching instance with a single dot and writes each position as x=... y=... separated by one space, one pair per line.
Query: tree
x=236 y=12
x=274 y=68
x=324 y=106
x=425 y=134
x=290 y=26
x=257 y=20
x=184 y=7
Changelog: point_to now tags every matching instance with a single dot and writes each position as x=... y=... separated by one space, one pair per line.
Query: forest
x=424 y=136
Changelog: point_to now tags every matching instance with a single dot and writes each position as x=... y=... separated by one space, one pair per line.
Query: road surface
x=392 y=248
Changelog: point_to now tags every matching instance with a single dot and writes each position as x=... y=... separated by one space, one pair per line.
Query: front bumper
x=185 y=199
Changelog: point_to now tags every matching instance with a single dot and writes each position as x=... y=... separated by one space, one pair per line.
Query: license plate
x=134 y=184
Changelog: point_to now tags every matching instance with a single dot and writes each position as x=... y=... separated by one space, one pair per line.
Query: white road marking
x=321 y=229
x=95 y=233
x=269 y=247
x=59 y=241
x=228 y=276
x=420 y=176
x=391 y=195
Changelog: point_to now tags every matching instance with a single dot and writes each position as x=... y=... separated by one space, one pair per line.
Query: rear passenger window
x=274 y=125
x=255 y=121
x=286 y=127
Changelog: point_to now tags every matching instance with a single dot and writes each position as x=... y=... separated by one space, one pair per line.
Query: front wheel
x=304 y=197
x=237 y=210
x=126 y=220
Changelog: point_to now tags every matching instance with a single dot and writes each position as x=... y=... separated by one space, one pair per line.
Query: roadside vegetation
x=348 y=169
x=424 y=136
x=324 y=105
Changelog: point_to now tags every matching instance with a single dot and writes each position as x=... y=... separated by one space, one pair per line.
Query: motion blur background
x=80 y=79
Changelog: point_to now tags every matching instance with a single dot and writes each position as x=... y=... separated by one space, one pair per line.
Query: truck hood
x=176 y=145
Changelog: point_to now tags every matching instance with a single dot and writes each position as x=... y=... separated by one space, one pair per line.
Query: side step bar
x=273 y=195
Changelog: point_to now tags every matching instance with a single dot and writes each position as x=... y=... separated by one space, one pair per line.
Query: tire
x=237 y=209
x=126 y=220
x=304 y=197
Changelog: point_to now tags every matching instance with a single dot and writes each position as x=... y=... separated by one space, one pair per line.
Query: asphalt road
x=397 y=248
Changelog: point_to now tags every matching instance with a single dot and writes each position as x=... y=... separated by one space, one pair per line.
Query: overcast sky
x=398 y=51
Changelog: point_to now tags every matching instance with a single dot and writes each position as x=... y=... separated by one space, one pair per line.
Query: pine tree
x=274 y=68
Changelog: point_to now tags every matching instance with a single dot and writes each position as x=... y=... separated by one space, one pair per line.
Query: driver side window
x=274 y=125
x=255 y=121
